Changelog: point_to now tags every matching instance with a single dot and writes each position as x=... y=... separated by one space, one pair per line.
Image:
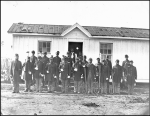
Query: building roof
x=93 y=30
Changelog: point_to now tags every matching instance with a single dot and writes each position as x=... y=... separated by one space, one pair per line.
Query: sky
x=132 y=14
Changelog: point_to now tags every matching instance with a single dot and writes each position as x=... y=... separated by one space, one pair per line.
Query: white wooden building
x=92 y=41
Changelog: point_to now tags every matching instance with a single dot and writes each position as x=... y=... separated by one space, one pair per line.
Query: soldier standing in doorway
x=15 y=73
x=57 y=61
x=72 y=55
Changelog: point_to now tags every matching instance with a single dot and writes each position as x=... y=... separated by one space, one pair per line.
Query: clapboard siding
x=137 y=50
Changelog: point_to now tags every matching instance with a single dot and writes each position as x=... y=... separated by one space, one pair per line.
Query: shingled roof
x=93 y=30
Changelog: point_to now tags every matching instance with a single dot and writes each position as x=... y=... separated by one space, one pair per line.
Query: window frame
x=103 y=42
x=46 y=45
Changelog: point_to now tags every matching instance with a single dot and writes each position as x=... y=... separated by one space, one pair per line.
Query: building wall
x=138 y=50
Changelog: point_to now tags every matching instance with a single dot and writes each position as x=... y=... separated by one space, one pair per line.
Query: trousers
x=130 y=89
x=104 y=87
x=77 y=86
x=15 y=86
x=64 y=86
x=38 y=84
x=116 y=87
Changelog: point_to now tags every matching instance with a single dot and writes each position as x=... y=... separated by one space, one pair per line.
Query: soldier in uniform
x=91 y=75
x=78 y=71
x=116 y=76
x=84 y=79
x=65 y=74
x=15 y=73
x=33 y=58
x=51 y=68
x=57 y=61
x=110 y=70
x=72 y=53
x=38 y=74
x=104 y=77
x=70 y=61
x=45 y=60
x=124 y=63
x=99 y=66
x=131 y=76
x=28 y=74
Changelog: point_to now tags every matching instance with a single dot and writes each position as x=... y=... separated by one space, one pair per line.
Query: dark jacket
x=124 y=64
x=85 y=73
x=105 y=73
x=117 y=73
x=131 y=74
x=52 y=68
x=45 y=60
x=16 y=70
x=98 y=69
x=91 y=71
x=33 y=59
x=66 y=70
x=110 y=66
x=27 y=69
x=79 y=72
x=39 y=65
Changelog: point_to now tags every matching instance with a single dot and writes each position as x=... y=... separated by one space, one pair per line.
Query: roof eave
x=113 y=37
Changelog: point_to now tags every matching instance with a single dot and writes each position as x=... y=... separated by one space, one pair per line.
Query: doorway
x=76 y=46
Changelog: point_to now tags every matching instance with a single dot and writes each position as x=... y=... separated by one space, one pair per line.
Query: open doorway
x=76 y=46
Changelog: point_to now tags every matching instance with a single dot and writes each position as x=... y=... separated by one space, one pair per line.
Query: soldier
x=124 y=63
x=65 y=74
x=80 y=57
x=33 y=58
x=99 y=66
x=45 y=60
x=84 y=79
x=28 y=74
x=104 y=77
x=91 y=75
x=78 y=71
x=116 y=77
x=57 y=61
x=70 y=61
x=72 y=55
x=15 y=73
x=38 y=74
x=131 y=76
x=110 y=70
x=51 y=77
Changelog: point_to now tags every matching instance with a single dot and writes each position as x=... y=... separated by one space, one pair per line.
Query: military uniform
x=91 y=75
x=110 y=70
x=65 y=72
x=45 y=60
x=51 y=76
x=85 y=73
x=15 y=72
x=98 y=73
x=28 y=75
x=117 y=75
x=78 y=71
x=57 y=61
x=131 y=76
x=104 y=78
x=33 y=59
x=38 y=75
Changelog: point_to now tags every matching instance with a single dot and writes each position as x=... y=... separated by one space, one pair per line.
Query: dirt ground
x=72 y=104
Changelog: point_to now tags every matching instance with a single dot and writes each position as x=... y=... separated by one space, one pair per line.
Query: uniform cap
x=90 y=58
x=16 y=55
x=98 y=58
x=126 y=56
x=117 y=60
x=57 y=52
x=131 y=61
x=33 y=52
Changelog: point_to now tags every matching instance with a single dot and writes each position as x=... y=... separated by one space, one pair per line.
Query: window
x=106 y=50
x=44 y=46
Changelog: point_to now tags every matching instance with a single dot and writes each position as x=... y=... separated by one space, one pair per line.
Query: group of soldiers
x=41 y=71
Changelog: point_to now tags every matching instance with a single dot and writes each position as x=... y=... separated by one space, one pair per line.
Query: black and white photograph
x=75 y=57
